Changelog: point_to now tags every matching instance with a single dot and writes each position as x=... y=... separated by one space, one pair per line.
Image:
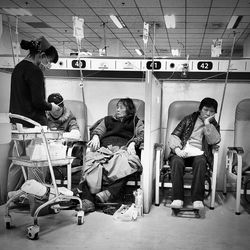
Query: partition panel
x=152 y=136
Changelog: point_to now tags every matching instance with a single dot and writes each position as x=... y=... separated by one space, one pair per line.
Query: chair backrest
x=139 y=104
x=242 y=129
x=79 y=110
x=176 y=112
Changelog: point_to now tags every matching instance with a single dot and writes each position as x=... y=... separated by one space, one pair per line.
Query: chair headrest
x=76 y=107
x=243 y=110
x=176 y=112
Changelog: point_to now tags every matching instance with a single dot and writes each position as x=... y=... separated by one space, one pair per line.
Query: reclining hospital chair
x=238 y=156
x=79 y=109
x=135 y=179
x=176 y=112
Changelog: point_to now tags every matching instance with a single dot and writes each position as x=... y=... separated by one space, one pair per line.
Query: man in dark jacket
x=191 y=144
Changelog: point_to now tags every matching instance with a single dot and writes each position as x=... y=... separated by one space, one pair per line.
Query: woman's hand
x=94 y=144
x=131 y=148
x=180 y=153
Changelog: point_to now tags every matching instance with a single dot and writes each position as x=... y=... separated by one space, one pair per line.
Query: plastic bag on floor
x=126 y=213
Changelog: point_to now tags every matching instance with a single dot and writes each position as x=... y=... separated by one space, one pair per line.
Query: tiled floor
x=217 y=229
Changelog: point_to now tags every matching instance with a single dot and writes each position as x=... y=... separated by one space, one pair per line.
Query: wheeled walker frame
x=33 y=231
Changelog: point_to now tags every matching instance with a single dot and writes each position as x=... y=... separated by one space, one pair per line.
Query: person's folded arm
x=212 y=134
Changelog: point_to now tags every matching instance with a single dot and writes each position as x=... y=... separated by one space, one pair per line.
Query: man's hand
x=94 y=144
x=131 y=148
x=180 y=153
x=209 y=119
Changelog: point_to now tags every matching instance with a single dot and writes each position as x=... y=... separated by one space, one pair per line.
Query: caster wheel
x=80 y=217
x=79 y=220
x=7 y=225
x=56 y=210
x=7 y=220
x=32 y=232
x=207 y=186
x=33 y=237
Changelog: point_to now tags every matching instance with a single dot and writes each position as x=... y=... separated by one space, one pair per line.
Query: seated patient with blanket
x=113 y=155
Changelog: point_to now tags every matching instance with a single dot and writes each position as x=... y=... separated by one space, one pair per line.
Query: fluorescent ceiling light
x=170 y=21
x=117 y=21
x=17 y=11
x=139 y=52
x=234 y=22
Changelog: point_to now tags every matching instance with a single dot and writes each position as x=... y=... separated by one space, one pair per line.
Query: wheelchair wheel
x=246 y=187
x=208 y=187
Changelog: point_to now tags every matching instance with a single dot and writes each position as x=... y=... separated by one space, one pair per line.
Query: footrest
x=186 y=212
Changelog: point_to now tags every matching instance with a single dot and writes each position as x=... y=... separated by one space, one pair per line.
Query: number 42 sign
x=206 y=65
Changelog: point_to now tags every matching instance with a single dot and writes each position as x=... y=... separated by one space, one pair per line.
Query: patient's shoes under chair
x=198 y=205
x=103 y=196
x=177 y=204
x=88 y=206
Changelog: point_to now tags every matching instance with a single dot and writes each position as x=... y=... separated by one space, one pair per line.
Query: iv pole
x=79 y=41
x=226 y=80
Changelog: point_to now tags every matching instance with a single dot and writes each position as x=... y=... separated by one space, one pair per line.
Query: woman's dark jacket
x=27 y=93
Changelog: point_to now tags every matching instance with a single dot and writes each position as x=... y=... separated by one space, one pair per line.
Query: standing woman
x=27 y=95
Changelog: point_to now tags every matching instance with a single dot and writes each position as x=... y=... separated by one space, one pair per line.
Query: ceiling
x=198 y=23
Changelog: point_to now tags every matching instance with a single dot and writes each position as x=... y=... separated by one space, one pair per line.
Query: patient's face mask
x=57 y=114
x=121 y=110
x=206 y=112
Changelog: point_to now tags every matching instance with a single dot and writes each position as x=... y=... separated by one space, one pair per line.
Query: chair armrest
x=238 y=150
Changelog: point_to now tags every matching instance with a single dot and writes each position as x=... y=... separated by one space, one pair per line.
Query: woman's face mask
x=45 y=63
x=121 y=110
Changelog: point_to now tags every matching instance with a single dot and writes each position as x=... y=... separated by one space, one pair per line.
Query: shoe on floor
x=176 y=204
x=103 y=196
x=198 y=205
x=88 y=206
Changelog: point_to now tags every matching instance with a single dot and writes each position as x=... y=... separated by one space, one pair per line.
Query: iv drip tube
x=14 y=61
x=226 y=80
